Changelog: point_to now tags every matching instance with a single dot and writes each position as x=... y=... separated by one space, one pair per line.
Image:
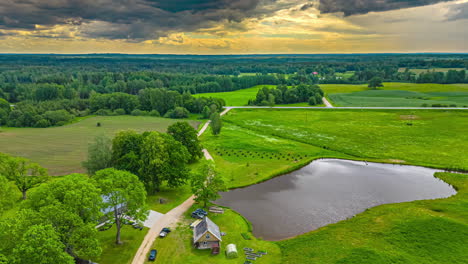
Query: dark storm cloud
x=354 y=7
x=457 y=12
x=129 y=19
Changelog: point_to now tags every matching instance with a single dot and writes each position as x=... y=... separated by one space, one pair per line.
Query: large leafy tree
x=124 y=194
x=27 y=238
x=375 y=82
x=23 y=173
x=126 y=148
x=206 y=184
x=187 y=135
x=163 y=158
x=40 y=244
x=99 y=154
x=8 y=194
x=72 y=206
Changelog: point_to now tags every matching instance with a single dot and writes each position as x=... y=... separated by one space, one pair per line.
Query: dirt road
x=168 y=220
x=326 y=102
x=171 y=218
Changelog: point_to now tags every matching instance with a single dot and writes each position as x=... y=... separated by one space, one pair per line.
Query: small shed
x=206 y=235
x=231 y=251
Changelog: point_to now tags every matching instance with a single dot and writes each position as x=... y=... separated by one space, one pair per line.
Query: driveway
x=152 y=218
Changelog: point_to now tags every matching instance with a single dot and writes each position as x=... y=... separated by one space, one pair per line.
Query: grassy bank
x=62 y=149
x=429 y=231
x=177 y=248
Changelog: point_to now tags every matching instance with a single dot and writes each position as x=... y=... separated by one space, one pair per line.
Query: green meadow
x=420 y=137
x=257 y=144
x=62 y=149
x=235 y=98
x=395 y=98
x=392 y=94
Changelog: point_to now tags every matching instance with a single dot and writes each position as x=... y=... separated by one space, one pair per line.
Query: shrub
x=154 y=113
x=103 y=112
x=138 y=112
x=178 y=112
x=43 y=123
x=119 y=111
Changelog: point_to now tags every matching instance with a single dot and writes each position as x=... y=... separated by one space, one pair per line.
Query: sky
x=233 y=26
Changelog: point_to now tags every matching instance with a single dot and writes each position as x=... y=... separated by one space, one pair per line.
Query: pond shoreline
x=392 y=176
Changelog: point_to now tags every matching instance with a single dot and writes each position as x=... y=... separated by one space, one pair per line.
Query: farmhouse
x=206 y=235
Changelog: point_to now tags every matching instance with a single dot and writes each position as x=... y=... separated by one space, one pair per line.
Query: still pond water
x=327 y=191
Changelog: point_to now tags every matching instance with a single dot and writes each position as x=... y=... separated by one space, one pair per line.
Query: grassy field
x=236 y=98
x=455 y=92
x=424 y=137
x=177 y=248
x=62 y=149
x=244 y=157
x=124 y=253
x=429 y=231
x=389 y=98
x=412 y=87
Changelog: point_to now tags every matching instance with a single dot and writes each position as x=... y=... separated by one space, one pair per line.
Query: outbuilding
x=206 y=235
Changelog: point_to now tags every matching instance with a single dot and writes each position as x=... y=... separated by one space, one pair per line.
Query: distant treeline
x=154 y=102
x=284 y=95
x=53 y=89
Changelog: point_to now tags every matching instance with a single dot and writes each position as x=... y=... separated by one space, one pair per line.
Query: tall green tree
x=72 y=205
x=8 y=194
x=23 y=173
x=124 y=194
x=162 y=159
x=99 y=154
x=126 y=147
x=40 y=244
x=206 y=184
x=375 y=82
x=187 y=135
x=216 y=124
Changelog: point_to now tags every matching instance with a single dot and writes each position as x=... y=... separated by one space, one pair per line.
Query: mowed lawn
x=423 y=137
x=62 y=149
x=177 y=246
x=428 y=231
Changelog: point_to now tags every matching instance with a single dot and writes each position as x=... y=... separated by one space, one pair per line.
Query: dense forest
x=49 y=90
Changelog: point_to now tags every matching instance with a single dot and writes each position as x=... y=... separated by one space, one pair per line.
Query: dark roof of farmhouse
x=204 y=226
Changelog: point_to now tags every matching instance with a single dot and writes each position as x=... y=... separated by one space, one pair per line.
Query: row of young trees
x=284 y=95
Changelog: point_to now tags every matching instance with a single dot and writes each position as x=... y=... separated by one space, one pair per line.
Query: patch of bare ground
x=409 y=117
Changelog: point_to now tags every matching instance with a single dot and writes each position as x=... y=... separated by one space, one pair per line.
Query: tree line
x=284 y=95
x=152 y=102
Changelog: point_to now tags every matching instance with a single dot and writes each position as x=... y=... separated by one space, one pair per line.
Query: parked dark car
x=152 y=255
x=164 y=232
x=199 y=213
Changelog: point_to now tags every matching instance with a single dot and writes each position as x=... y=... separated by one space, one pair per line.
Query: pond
x=327 y=191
